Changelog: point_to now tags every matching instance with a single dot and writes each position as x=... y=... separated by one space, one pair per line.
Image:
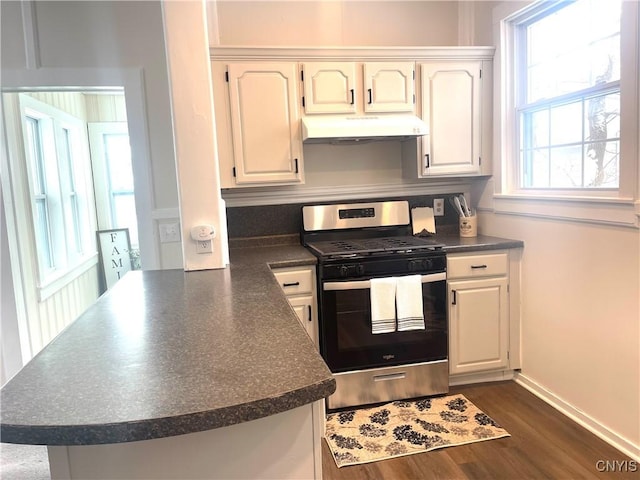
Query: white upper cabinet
x=350 y=87
x=329 y=87
x=258 y=124
x=389 y=87
x=451 y=106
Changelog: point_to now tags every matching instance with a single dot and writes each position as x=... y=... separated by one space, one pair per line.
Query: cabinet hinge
x=226 y=76
x=480 y=73
x=302 y=75
x=479 y=160
x=296 y=162
x=303 y=101
x=414 y=74
x=508 y=355
x=414 y=98
x=508 y=288
x=233 y=170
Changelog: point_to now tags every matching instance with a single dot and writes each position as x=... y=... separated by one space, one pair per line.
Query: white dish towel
x=409 y=303
x=383 y=305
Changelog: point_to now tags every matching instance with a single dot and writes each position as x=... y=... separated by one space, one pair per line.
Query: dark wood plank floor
x=543 y=444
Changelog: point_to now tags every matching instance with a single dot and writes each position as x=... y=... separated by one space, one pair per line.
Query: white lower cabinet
x=478 y=295
x=298 y=284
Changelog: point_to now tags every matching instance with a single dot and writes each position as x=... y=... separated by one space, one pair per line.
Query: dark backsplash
x=286 y=219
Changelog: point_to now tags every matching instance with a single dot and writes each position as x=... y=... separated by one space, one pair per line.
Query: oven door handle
x=365 y=284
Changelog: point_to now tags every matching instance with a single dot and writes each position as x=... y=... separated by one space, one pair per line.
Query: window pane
x=124 y=212
x=602 y=117
x=566 y=124
x=118 y=154
x=34 y=141
x=601 y=165
x=536 y=173
x=574 y=48
x=540 y=128
x=43 y=236
x=566 y=167
x=72 y=213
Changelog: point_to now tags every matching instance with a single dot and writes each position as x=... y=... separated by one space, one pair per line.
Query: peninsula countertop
x=169 y=352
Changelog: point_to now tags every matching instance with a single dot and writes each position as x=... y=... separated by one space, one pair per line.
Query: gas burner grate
x=367 y=246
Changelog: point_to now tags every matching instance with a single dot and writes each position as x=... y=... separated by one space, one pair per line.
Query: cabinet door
x=267 y=145
x=389 y=87
x=329 y=87
x=451 y=106
x=478 y=325
x=304 y=308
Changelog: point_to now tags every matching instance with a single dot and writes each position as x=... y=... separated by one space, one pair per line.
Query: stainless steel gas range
x=382 y=302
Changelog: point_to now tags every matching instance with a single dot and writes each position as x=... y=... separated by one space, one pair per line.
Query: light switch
x=169 y=232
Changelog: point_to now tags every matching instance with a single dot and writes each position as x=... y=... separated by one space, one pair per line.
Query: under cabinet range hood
x=345 y=129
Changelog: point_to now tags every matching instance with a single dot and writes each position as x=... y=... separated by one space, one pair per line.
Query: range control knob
x=343 y=271
x=360 y=269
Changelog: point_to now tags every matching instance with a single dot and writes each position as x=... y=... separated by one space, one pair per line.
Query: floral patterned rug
x=406 y=427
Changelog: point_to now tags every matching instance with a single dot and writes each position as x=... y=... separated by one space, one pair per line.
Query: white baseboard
x=595 y=427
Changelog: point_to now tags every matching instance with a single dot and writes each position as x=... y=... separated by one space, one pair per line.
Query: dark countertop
x=165 y=353
x=170 y=352
x=454 y=243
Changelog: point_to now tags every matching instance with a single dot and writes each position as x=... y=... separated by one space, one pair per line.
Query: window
x=59 y=185
x=568 y=96
x=113 y=178
x=568 y=111
x=121 y=190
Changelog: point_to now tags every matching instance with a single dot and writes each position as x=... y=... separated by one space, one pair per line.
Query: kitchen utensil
x=465 y=207
x=458 y=206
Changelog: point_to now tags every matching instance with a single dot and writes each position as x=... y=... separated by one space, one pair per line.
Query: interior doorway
x=67 y=175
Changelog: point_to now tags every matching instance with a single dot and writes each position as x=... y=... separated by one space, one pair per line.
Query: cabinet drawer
x=294 y=282
x=465 y=266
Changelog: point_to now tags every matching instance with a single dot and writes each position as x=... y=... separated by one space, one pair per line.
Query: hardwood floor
x=543 y=444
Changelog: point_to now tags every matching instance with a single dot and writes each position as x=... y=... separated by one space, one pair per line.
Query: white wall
x=580 y=308
x=337 y=23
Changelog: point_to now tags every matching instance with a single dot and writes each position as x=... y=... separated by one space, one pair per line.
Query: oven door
x=347 y=342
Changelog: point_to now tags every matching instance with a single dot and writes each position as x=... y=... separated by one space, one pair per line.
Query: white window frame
x=68 y=263
x=617 y=207
x=102 y=175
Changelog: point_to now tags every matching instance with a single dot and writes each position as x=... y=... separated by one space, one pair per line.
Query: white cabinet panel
x=451 y=106
x=351 y=87
x=330 y=87
x=299 y=285
x=479 y=327
x=258 y=124
x=472 y=266
x=304 y=306
x=389 y=87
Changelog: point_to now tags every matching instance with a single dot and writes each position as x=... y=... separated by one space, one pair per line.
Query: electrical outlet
x=438 y=207
x=204 y=246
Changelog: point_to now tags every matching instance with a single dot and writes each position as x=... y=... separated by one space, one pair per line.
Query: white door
x=330 y=87
x=389 y=87
x=451 y=107
x=478 y=325
x=265 y=123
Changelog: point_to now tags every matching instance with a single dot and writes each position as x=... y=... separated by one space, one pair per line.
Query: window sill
x=624 y=212
x=53 y=285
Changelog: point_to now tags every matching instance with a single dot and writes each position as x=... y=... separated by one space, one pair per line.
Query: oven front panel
x=348 y=344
